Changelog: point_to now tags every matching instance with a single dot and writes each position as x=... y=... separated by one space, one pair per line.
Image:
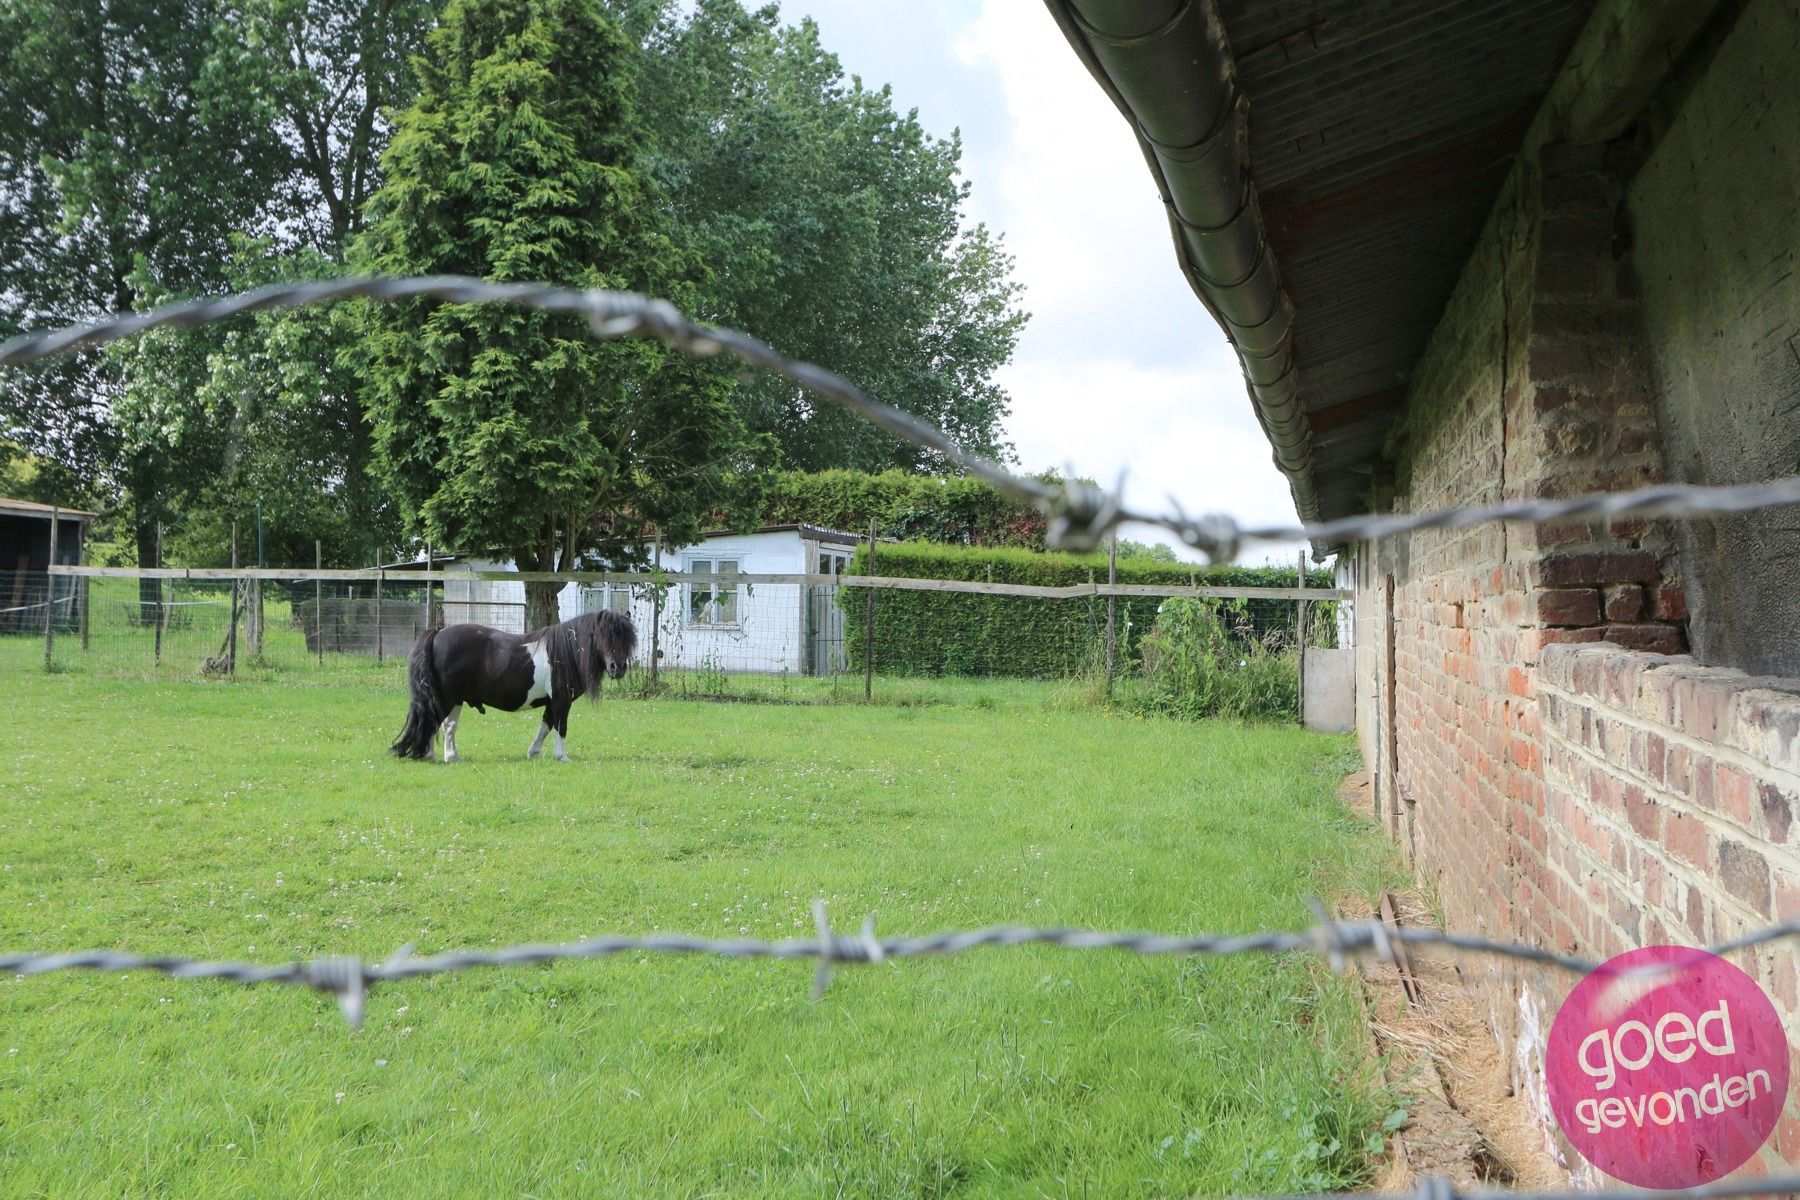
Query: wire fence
x=1079 y=518
x=803 y=638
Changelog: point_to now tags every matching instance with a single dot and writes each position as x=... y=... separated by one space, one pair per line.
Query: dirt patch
x=1465 y=1123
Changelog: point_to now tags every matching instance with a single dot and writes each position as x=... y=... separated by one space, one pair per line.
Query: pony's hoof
x=450 y=758
x=532 y=752
x=562 y=758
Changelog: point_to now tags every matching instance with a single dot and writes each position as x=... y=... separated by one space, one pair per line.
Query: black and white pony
x=482 y=667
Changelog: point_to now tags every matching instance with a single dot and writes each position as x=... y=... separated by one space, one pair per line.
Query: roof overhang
x=31 y=508
x=1327 y=166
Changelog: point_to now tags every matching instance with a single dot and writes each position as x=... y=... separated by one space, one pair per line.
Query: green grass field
x=266 y=822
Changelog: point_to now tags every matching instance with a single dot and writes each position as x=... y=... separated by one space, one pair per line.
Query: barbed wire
x=350 y=978
x=1080 y=515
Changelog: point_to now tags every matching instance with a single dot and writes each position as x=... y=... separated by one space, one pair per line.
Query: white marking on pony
x=561 y=754
x=449 y=727
x=537 y=743
x=540 y=673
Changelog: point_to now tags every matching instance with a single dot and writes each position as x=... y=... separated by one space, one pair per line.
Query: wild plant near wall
x=1201 y=659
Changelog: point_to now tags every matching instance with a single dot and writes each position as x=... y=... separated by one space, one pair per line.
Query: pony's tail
x=426 y=713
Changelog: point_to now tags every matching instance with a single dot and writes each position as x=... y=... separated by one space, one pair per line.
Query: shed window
x=713 y=603
x=607 y=597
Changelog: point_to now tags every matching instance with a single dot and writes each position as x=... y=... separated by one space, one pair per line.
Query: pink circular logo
x=1670 y=1078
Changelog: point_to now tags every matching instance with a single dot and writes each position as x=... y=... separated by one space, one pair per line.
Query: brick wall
x=1559 y=770
x=1676 y=789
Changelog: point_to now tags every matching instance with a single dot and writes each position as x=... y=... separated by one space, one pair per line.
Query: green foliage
x=949 y=633
x=502 y=428
x=834 y=227
x=1154 y=551
x=148 y=136
x=136 y=142
x=931 y=508
x=259 y=409
x=1195 y=664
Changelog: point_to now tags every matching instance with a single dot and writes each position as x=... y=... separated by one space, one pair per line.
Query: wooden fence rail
x=972 y=587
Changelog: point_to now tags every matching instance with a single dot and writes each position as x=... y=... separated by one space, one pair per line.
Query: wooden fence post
x=254 y=618
x=1300 y=627
x=319 y=598
x=869 y=627
x=1112 y=608
x=656 y=601
x=50 y=591
x=86 y=596
x=379 y=576
x=236 y=584
x=162 y=606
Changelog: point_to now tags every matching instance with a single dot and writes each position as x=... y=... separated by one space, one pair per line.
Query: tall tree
x=332 y=70
x=134 y=143
x=498 y=428
x=154 y=134
x=267 y=403
x=834 y=227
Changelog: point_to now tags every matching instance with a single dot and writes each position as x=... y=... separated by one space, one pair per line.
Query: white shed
x=768 y=628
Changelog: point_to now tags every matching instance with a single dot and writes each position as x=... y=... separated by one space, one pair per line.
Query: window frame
x=614 y=597
x=691 y=566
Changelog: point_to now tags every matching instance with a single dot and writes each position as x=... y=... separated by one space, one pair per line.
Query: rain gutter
x=1167 y=66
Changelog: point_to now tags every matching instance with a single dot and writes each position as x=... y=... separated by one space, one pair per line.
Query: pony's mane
x=576 y=662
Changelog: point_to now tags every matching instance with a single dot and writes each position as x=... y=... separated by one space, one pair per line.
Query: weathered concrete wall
x=1330 y=698
x=1715 y=227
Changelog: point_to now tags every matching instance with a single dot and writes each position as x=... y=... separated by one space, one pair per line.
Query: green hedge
x=929 y=508
x=950 y=633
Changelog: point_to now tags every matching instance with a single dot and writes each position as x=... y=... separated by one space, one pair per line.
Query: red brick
x=1643 y=814
x=1549 y=399
x=1567 y=534
x=1745 y=874
x=1732 y=790
x=1786 y=1139
x=1567 y=606
x=1669 y=603
x=1706 y=780
x=1628 y=529
x=1552 y=637
x=1787 y=898
x=1624 y=602
x=1695 y=912
x=1686 y=838
x=1777 y=811
x=1563 y=570
x=1702 y=708
x=1651 y=639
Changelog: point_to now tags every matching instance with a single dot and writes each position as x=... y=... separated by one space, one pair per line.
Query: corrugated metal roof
x=1379 y=134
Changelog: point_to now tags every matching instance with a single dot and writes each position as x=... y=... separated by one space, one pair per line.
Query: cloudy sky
x=1120 y=367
